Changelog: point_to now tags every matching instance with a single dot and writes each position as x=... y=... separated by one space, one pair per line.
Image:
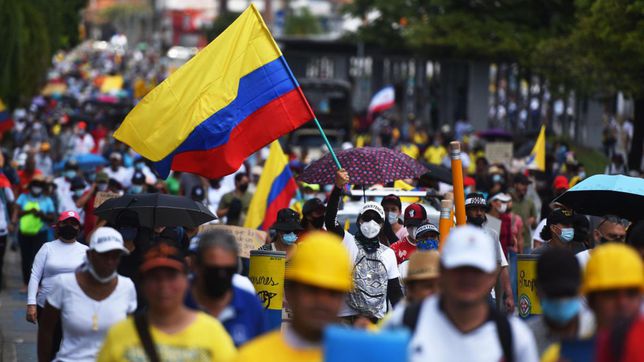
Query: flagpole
x=328 y=144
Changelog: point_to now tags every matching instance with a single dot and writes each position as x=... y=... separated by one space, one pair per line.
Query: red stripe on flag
x=270 y=122
x=280 y=202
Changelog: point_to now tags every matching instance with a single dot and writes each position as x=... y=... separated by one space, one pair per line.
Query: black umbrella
x=440 y=173
x=157 y=210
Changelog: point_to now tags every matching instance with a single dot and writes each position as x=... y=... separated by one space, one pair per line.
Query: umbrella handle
x=328 y=144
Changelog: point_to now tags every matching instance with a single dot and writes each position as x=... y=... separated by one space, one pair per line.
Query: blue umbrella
x=607 y=195
x=86 y=161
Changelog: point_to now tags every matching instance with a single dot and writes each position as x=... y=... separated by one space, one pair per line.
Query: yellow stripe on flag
x=537 y=158
x=167 y=115
x=273 y=167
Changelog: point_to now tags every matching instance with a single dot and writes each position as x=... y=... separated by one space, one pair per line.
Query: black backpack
x=503 y=328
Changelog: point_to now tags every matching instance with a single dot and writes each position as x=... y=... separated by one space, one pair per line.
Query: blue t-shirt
x=244 y=318
x=45 y=204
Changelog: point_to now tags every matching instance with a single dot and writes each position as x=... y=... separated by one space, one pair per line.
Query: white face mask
x=412 y=232
x=503 y=208
x=392 y=218
x=370 y=229
x=100 y=279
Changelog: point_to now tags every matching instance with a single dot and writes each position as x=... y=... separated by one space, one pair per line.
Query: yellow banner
x=528 y=303
x=267 y=275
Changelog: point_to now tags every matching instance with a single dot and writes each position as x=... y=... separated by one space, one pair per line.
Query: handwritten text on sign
x=247 y=239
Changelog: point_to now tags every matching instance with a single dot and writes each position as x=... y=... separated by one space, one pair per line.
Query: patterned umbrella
x=366 y=166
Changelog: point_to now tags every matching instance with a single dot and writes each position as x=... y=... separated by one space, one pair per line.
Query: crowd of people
x=120 y=291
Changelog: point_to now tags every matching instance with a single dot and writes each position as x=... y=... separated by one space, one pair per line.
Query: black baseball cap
x=391 y=200
x=558 y=273
x=138 y=178
x=561 y=216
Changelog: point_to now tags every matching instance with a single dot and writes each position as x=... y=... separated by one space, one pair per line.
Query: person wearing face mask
x=475 y=207
x=287 y=227
x=510 y=234
x=376 y=275
x=27 y=173
x=62 y=255
x=393 y=208
x=33 y=212
x=313 y=212
x=558 y=231
x=83 y=142
x=86 y=201
x=167 y=330
x=141 y=166
x=76 y=190
x=138 y=185
x=88 y=302
x=64 y=182
x=117 y=172
x=234 y=205
x=558 y=287
x=415 y=215
x=425 y=238
x=215 y=263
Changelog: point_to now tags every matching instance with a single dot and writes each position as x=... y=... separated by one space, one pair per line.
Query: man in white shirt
x=459 y=324
x=475 y=206
x=117 y=172
x=83 y=141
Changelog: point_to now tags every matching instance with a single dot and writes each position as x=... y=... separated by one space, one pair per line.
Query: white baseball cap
x=373 y=206
x=501 y=197
x=107 y=239
x=468 y=245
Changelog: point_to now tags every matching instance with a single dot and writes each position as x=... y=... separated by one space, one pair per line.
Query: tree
x=302 y=23
x=31 y=31
x=602 y=55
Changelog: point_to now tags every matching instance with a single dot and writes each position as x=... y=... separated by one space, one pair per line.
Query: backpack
x=370 y=284
x=31 y=224
x=503 y=327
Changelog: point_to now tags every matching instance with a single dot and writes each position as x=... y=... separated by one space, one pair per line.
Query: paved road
x=17 y=336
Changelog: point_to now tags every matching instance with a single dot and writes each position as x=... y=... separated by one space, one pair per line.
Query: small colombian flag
x=6 y=123
x=275 y=189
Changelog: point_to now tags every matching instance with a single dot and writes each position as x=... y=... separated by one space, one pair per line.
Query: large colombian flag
x=6 y=123
x=233 y=98
x=275 y=189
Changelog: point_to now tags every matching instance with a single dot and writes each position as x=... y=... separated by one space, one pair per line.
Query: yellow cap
x=423 y=264
x=321 y=260
x=613 y=266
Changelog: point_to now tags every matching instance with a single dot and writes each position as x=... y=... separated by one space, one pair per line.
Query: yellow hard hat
x=321 y=260
x=613 y=266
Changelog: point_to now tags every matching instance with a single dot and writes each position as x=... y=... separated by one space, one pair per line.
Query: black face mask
x=476 y=221
x=67 y=232
x=318 y=222
x=243 y=187
x=217 y=280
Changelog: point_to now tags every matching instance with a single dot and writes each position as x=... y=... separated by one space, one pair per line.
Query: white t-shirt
x=4 y=213
x=583 y=257
x=388 y=259
x=122 y=175
x=83 y=144
x=214 y=197
x=436 y=338
x=537 y=232
x=78 y=314
x=53 y=258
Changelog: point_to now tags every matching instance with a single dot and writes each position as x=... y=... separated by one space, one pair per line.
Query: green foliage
x=302 y=23
x=220 y=24
x=31 y=31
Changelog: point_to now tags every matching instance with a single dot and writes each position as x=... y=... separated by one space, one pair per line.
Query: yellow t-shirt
x=435 y=154
x=410 y=150
x=271 y=347
x=204 y=340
